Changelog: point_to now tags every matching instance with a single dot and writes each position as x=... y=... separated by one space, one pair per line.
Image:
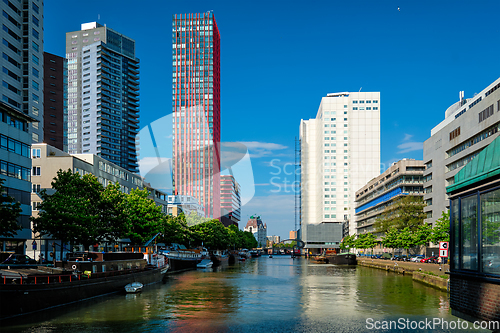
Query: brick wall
x=475 y=298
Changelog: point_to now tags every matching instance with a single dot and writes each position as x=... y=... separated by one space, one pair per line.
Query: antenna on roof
x=360 y=89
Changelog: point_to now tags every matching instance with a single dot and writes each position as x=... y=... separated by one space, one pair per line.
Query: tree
x=348 y=242
x=249 y=241
x=72 y=212
x=193 y=219
x=112 y=213
x=405 y=211
x=406 y=239
x=422 y=235
x=441 y=230
x=175 y=230
x=144 y=218
x=366 y=241
x=390 y=239
x=10 y=210
x=211 y=234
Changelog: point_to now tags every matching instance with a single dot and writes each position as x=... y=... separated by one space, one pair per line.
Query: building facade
x=258 y=229
x=196 y=109
x=402 y=178
x=469 y=126
x=340 y=153
x=15 y=170
x=230 y=201
x=474 y=285
x=103 y=94
x=55 y=97
x=22 y=60
x=47 y=160
x=178 y=204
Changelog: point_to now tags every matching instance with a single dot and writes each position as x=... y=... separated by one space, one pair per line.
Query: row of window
x=13 y=170
x=478 y=138
x=486 y=113
x=14 y=146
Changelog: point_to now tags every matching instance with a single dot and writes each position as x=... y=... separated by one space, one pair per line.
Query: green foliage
x=441 y=230
x=72 y=212
x=10 y=211
x=405 y=211
x=143 y=217
x=366 y=241
x=391 y=239
x=406 y=239
x=211 y=234
x=193 y=219
x=175 y=230
x=422 y=235
x=348 y=242
x=249 y=241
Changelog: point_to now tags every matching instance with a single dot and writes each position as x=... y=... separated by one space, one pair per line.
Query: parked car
x=431 y=259
x=417 y=258
x=19 y=259
x=402 y=258
x=386 y=256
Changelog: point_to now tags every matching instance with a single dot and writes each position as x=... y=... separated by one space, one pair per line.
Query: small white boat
x=134 y=287
x=205 y=263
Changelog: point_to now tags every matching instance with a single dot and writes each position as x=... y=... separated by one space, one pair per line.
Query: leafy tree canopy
x=405 y=211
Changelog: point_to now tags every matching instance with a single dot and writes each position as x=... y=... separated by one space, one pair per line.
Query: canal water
x=263 y=294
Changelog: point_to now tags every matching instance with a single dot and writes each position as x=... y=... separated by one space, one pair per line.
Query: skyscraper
x=55 y=106
x=103 y=94
x=230 y=200
x=22 y=60
x=340 y=153
x=196 y=109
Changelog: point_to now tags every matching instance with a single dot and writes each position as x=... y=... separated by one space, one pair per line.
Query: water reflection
x=259 y=295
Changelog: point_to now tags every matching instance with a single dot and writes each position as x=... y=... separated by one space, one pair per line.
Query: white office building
x=469 y=126
x=340 y=153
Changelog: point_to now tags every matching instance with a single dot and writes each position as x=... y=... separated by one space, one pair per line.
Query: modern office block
x=230 y=200
x=15 y=169
x=196 y=109
x=340 y=153
x=55 y=107
x=22 y=60
x=402 y=178
x=469 y=126
x=103 y=94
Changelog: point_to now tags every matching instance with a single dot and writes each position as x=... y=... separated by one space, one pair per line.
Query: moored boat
x=342 y=259
x=134 y=287
x=205 y=263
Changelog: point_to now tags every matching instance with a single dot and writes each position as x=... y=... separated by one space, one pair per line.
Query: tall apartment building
x=22 y=60
x=340 y=153
x=469 y=126
x=55 y=107
x=230 y=200
x=402 y=178
x=196 y=109
x=15 y=170
x=103 y=94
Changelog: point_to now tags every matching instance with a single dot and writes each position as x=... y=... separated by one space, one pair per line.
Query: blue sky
x=278 y=58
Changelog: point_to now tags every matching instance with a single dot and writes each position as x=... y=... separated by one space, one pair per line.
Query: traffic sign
x=443 y=245
x=443 y=253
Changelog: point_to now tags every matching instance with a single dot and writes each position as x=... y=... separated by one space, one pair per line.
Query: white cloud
x=262 y=149
x=407 y=137
x=410 y=146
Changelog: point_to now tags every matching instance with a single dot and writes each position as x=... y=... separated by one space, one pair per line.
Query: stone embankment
x=419 y=271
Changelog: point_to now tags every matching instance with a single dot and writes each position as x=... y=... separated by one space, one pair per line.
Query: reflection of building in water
x=258 y=229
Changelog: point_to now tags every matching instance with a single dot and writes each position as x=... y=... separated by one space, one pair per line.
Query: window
x=36 y=188
x=469 y=233
x=486 y=113
x=35 y=33
x=36 y=99
x=36 y=205
x=35 y=46
x=490 y=226
x=34 y=20
x=35 y=85
x=35 y=8
x=455 y=133
x=35 y=153
x=35 y=59
x=36 y=171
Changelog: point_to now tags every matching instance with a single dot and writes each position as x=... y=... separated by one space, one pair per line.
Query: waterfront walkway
x=408 y=266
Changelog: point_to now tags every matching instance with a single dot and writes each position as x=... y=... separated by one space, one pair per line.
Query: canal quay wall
x=416 y=270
